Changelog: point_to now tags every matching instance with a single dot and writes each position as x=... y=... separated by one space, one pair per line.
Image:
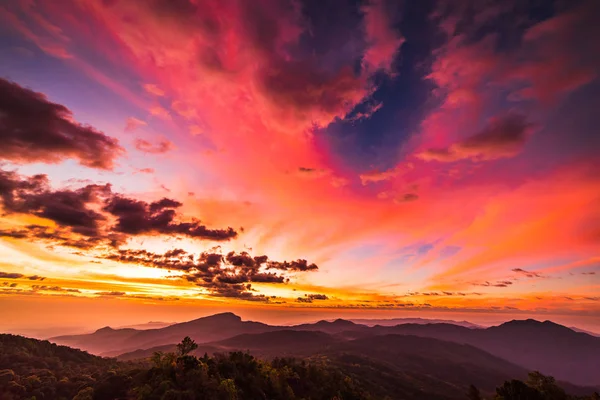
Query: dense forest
x=33 y=369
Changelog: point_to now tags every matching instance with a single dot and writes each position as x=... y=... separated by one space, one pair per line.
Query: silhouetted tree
x=517 y=390
x=546 y=385
x=473 y=393
x=186 y=346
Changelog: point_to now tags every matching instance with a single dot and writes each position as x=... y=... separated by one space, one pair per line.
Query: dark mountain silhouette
x=111 y=342
x=548 y=347
x=337 y=326
x=584 y=331
x=400 y=363
x=437 y=365
x=551 y=348
x=285 y=343
x=422 y=321
x=148 y=325
x=278 y=343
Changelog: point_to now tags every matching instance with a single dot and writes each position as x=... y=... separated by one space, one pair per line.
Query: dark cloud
x=312 y=173
x=309 y=298
x=81 y=214
x=45 y=288
x=497 y=284
x=161 y=147
x=503 y=137
x=588 y=273
x=408 y=197
x=528 y=274
x=447 y=293
x=229 y=275
x=303 y=300
x=14 y=233
x=56 y=236
x=33 y=129
x=115 y=294
x=298 y=265
x=137 y=217
x=68 y=208
x=16 y=275
x=10 y=275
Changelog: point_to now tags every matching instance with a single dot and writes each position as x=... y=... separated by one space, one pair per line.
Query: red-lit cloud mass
x=438 y=157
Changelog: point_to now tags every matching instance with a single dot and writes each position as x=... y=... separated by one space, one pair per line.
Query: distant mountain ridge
x=111 y=342
x=399 y=321
x=551 y=348
x=148 y=325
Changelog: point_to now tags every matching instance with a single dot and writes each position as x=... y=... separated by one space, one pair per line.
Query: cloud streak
x=503 y=137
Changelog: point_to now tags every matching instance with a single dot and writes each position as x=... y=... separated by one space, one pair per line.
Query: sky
x=297 y=159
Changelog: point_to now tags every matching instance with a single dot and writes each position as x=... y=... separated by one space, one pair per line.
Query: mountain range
x=509 y=349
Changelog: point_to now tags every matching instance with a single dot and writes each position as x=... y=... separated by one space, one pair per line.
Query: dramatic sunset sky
x=293 y=160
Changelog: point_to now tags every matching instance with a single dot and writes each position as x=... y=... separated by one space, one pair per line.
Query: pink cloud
x=159 y=111
x=380 y=176
x=161 y=147
x=133 y=123
x=153 y=89
x=382 y=40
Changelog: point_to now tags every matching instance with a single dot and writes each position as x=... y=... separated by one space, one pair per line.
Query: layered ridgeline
x=415 y=368
x=531 y=345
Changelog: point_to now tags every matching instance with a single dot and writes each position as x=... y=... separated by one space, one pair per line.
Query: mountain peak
x=228 y=315
x=533 y=323
x=105 y=329
x=222 y=317
x=340 y=321
x=522 y=322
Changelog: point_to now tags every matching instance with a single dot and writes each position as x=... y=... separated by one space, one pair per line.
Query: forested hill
x=32 y=369
x=37 y=369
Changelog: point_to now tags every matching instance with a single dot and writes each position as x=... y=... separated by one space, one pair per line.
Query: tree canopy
x=35 y=370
